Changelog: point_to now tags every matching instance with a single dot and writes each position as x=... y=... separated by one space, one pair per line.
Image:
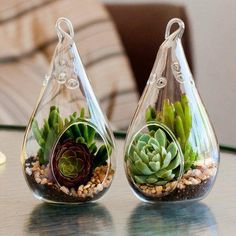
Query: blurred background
x=213 y=36
x=118 y=41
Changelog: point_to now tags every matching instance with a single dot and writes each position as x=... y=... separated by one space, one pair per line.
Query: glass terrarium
x=171 y=151
x=68 y=153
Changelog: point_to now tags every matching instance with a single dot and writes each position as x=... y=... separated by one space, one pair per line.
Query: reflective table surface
x=119 y=212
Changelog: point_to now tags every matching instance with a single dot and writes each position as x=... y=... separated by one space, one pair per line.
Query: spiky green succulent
x=177 y=117
x=153 y=159
x=82 y=133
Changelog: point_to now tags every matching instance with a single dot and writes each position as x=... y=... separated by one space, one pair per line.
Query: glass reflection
x=87 y=219
x=172 y=219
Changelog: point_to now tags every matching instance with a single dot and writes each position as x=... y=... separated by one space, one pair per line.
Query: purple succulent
x=72 y=163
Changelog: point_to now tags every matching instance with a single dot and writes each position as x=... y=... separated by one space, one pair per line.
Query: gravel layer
x=40 y=181
x=194 y=184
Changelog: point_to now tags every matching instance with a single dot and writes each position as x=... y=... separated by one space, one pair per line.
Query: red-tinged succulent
x=72 y=163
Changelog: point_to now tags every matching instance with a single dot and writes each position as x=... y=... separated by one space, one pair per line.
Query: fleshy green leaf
x=37 y=133
x=143 y=168
x=140 y=179
x=167 y=160
x=145 y=138
x=174 y=163
x=172 y=148
x=160 y=136
x=140 y=145
x=179 y=128
x=155 y=166
x=151 y=180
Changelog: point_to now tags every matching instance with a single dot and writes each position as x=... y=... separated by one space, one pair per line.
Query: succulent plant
x=153 y=159
x=177 y=117
x=76 y=128
x=72 y=163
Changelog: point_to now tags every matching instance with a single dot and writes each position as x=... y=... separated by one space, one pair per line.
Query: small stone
x=81 y=187
x=87 y=186
x=180 y=186
x=173 y=184
x=194 y=181
x=196 y=173
x=159 y=189
x=106 y=184
x=168 y=185
x=85 y=191
x=101 y=177
x=143 y=187
x=99 y=187
x=64 y=189
x=153 y=191
x=28 y=171
x=168 y=189
x=203 y=177
x=36 y=174
x=44 y=181
x=187 y=182
x=38 y=180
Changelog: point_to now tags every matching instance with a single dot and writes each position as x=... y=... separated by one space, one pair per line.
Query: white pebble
x=28 y=171
x=2 y=158
x=99 y=187
x=196 y=173
x=194 y=181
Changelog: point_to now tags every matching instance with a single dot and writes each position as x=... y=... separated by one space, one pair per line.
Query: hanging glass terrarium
x=171 y=152
x=68 y=153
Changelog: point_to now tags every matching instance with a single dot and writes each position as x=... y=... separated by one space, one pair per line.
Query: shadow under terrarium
x=87 y=219
x=172 y=219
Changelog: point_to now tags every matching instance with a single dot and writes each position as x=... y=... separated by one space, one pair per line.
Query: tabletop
x=119 y=212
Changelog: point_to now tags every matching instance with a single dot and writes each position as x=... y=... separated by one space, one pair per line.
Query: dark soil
x=52 y=193
x=190 y=192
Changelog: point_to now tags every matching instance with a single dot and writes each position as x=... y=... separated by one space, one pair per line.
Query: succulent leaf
x=160 y=136
x=143 y=168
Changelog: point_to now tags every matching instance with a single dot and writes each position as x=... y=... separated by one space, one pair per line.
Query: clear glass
x=68 y=152
x=171 y=151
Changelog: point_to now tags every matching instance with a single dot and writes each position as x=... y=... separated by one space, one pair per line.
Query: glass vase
x=68 y=152
x=171 y=151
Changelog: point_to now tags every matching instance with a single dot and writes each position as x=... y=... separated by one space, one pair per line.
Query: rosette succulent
x=72 y=163
x=153 y=159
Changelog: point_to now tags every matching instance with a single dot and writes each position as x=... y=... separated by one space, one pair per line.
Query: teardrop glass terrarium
x=68 y=153
x=171 y=152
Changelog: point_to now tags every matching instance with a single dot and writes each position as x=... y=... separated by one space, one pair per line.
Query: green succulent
x=177 y=117
x=54 y=125
x=153 y=159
